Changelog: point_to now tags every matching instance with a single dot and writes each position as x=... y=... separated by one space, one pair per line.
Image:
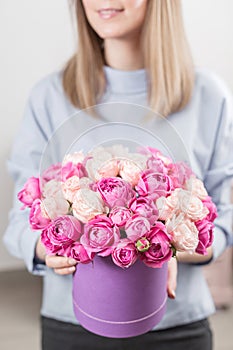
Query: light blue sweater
x=204 y=128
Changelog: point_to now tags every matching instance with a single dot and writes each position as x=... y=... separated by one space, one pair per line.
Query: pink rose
x=157 y=165
x=160 y=248
x=100 y=235
x=61 y=233
x=71 y=169
x=36 y=219
x=209 y=204
x=115 y=191
x=119 y=216
x=52 y=173
x=87 y=204
x=137 y=226
x=184 y=233
x=30 y=192
x=125 y=253
x=196 y=187
x=72 y=185
x=144 y=207
x=156 y=154
x=153 y=184
x=77 y=251
x=205 y=236
x=179 y=173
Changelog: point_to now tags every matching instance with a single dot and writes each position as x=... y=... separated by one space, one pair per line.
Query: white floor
x=20 y=295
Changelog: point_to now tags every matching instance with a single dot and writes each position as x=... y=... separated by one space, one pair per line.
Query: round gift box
x=119 y=303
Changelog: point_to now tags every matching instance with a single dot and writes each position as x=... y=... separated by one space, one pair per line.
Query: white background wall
x=36 y=38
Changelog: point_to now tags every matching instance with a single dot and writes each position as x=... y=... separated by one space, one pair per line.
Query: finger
x=57 y=262
x=172 y=278
x=65 y=270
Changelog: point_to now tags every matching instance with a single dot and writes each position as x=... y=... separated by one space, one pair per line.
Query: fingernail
x=72 y=268
x=173 y=294
x=72 y=261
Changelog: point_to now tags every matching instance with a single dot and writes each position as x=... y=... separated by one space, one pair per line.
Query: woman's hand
x=195 y=258
x=172 y=278
x=186 y=258
x=61 y=265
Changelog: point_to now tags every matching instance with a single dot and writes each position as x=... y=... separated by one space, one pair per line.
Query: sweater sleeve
x=23 y=163
x=219 y=177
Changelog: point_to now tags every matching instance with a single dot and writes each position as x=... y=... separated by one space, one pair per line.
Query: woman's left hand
x=195 y=258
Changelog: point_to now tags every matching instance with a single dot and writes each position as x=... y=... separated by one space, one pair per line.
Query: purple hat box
x=119 y=303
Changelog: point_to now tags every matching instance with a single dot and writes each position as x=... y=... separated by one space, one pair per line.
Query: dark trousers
x=57 y=335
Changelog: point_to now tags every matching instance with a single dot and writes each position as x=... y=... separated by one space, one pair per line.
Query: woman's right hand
x=60 y=264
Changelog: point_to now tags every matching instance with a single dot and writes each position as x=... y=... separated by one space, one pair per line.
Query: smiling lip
x=109 y=13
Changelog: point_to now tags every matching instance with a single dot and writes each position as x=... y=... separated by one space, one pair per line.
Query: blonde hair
x=167 y=59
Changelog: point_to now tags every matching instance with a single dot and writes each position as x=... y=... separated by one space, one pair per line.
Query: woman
x=133 y=51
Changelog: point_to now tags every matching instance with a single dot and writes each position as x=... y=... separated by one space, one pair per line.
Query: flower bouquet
x=122 y=216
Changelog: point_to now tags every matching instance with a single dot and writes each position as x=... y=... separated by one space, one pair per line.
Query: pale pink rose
x=61 y=233
x=87 y=204
x=136 y=227
x=70 y=169
x=118 y=151
x=125 y=253
x=95 y=160
x=106 y=169
x=179 y=173
x=168 y=206
x=153 y=184
x=52 y=207
x=165 y=210
x=115 y=191
x=138 y=158
x=184 y=234
x=130 y=171
x=52 y=188
x=52 y=173
x=100 y=235
x=30 y=192
x=75 y=158
x=205 y=235
x=72 y=185
x=173 y=222
x=36 y=219
x=100 y=153
x=192 y=206
x=196 y=187
x=119 y=216
x=160 y=248
x=102 y=168
x=208 y=203
x=144 y=207
x=77 y=251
